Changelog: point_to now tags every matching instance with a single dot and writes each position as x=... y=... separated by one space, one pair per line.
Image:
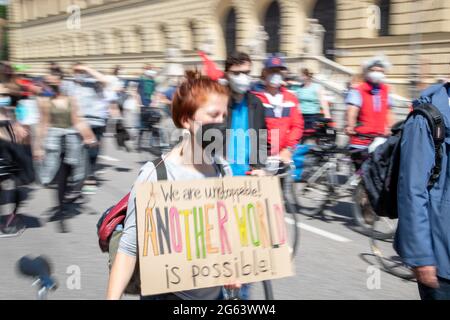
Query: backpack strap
x=221 y=169
x=161 y=170
x=437 y=126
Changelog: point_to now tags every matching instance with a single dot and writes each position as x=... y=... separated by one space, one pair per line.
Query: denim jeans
x=441 y=293
x=244 y=293
x=95 y=151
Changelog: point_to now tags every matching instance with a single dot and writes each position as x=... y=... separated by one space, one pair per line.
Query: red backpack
x=109 y=235
x=109 y=221
x=115 y=215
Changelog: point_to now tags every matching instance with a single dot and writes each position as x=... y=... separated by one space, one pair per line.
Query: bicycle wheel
x=291 y=213
x=389 y=261
x=367 y=221
x=268 y=290
x=311 y=198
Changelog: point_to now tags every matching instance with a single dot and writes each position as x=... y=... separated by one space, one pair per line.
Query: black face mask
x=55 y=89
x=206 y=136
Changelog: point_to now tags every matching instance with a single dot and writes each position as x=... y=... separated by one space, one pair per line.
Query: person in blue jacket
x=423 y=233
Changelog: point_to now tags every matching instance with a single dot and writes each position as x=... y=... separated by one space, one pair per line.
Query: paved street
x=331 y=264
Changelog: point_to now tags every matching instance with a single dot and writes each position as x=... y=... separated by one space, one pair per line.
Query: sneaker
x=89 y=189
x=90 y=180
x=73 y=196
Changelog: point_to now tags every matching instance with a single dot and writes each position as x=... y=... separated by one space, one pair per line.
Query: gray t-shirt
x=128 y=241
x=92 y=105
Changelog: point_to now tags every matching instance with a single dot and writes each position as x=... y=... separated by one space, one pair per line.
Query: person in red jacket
x=283 y=120
x=368 y=109
x=369 y=105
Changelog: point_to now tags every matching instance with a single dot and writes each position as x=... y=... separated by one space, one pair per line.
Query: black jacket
x=15 y=159
x=257 y=121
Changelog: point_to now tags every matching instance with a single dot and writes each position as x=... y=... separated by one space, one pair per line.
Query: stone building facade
x=414 y=35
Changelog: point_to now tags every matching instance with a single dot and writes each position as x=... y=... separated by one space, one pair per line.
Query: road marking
x=107 y=158
x=318 y=231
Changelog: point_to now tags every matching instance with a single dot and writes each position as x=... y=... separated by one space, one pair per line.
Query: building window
x=230 y=31
x=61 y=47
x=193 y=33
x=163 y=38
x=325 y=12
x=118 y=41
x=385 y=11
x=139 y=38
x=100 y=47
x=272 y=25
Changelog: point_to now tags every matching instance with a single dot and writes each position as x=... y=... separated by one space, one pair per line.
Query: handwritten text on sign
x=211 y=232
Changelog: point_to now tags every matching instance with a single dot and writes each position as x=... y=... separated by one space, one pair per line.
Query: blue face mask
x=5 y=101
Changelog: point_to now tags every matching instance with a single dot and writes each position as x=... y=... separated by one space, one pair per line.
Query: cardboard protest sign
x=211 y=232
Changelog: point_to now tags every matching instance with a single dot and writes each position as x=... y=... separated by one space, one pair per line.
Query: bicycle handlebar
x=370 y=136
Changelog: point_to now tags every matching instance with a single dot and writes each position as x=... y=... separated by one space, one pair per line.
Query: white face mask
x=376 y=77
x=275 y=80
x=5 y=101
x=150 y=73
x=240 y=83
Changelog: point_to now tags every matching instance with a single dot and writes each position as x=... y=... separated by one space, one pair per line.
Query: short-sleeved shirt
x=128 y=241
x=92 y=105
x=354 y=98
x=309 y=98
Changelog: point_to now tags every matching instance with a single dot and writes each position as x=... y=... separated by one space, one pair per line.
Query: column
x=128 y=39
x=148 y=37
x=92 y=46
x=108 y=42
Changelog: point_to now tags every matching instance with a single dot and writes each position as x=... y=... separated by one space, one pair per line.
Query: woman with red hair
x=199 y=104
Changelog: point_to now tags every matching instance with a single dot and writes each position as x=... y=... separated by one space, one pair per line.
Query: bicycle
x=322 y=189
x=276 y=167
x=40 y=270
x=380 y=229
x=319 y=186
x=322 y=185
x=392 y=264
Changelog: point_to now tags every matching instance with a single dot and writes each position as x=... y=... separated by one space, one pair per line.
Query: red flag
x=210 y=68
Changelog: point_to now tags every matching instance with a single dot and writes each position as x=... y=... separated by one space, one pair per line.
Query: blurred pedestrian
x=283 y=119
x=199 y=101
x=147 y=85
x=313 y=104
x=245 y=112
x=369 y=109
x=94 y=102
x=60 y=139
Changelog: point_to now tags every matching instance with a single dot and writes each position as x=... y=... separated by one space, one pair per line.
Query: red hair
x=191 y=94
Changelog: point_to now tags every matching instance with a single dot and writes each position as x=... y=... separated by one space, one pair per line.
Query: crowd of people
x=59 y=119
